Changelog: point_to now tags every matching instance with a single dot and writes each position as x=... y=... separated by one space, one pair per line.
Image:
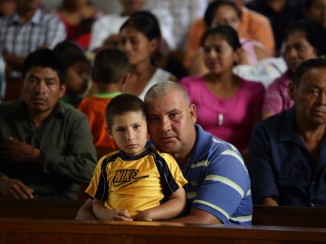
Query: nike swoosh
x=115 y=186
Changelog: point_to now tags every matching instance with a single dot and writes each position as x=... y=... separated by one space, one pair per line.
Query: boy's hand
x=122 y=215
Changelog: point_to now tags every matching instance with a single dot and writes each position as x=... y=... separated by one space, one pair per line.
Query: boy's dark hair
x=318 y=63
x=110 y=65
x=70 y=53
x=44 y=58
x=122 y=104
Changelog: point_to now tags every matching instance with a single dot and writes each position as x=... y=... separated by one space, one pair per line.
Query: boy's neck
x=108 y=88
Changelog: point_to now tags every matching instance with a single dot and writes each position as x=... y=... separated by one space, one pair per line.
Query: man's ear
x=291 y=89
x=62 y=90
x=193 y=112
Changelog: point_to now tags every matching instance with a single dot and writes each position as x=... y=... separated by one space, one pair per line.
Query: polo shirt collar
x=202 y=144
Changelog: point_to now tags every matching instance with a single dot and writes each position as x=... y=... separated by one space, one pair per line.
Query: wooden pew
x=67 y=209
x=69 y=231
x=39 y=208
x=289 y=216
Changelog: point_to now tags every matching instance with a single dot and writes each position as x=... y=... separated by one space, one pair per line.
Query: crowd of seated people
x=272 y=135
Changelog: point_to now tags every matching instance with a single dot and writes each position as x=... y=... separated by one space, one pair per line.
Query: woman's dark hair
x=212 y=6
x=227 y=32
x=315 y=34
x=146 y=23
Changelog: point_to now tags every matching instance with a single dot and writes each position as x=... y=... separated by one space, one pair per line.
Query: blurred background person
x=227 y=106
x=78 y=71
x=280 y=14
x=253 y=26
x=78 y=17
x=21 y=33
x=227 y=12
x=304 y=40
x=140 y=39
x=316 y=10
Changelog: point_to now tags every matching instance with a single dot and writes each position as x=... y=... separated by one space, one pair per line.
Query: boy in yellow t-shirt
x=137 y=182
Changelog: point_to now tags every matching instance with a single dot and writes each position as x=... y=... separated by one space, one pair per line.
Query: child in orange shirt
x=110 y=71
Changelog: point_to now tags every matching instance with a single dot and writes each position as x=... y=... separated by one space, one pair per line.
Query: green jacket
x=66 y=144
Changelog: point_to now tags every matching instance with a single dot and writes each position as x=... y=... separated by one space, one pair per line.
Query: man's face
x=310 y=97
x=41 y=89
x=171 y=124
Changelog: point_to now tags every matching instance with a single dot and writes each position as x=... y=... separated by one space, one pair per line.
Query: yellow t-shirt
x=137 y=182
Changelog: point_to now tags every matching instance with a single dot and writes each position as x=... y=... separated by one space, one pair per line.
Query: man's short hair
x=317 y=63
x=44 y=58
x=122 y=104
x=110 y=65
x=162 y=89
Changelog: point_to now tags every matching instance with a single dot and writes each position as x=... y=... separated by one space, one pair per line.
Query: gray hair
x=161 y=89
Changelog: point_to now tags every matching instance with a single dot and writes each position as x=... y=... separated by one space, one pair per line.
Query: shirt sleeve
x=99 y=32
x=258 y=99
x=79 y=158
x=260 y=166
x=226 y=183
x=56 y=32
x=272 y=101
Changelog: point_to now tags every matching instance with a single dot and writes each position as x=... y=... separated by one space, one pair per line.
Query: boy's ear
x=93 y=76
x=109 y=132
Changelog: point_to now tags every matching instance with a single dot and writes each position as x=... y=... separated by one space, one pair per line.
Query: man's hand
x=14 y=188
x=144 y=216
x=16 y=151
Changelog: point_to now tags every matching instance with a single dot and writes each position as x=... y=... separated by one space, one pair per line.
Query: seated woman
x=304 y=40
x=140 y=39
x=227 y=12
x=227 y=106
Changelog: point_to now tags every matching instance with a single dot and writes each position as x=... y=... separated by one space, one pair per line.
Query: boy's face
x=77 y=78
x=129 y=132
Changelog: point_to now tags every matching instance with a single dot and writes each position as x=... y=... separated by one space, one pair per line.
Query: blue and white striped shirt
x=219 y=182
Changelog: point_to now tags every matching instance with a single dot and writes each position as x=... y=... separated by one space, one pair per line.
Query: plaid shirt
x=42 y=30
x=277 y=98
